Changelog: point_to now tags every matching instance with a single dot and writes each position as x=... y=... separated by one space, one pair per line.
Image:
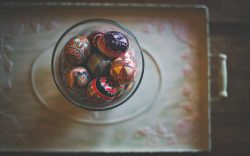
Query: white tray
x=169 y=112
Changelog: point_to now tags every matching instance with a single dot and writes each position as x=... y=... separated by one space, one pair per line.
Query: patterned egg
x=77 y=77
x=128 y=87
x=123 y=70
x=76 y=51
x=113 y=44
x=94 y=37
x=116 y=41
x=98 y=64
x=78 y=93
x=130 y=54
x=120 y=90
x=101 y=90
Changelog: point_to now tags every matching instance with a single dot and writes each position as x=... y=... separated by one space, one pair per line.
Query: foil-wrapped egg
x=77 y=77
x=101 y=90
x=113 y=44
x=123 y=70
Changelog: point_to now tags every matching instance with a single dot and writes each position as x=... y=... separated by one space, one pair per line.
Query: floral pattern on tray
x=171 y=123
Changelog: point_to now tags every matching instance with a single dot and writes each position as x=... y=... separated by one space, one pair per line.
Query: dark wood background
x=230 y=34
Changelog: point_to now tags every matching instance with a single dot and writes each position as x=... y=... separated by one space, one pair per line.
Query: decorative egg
x=113 y=44
x=128 y=87
x=77 y=77
x=80 y=43
x=130 y=54
x=78 y=93
x=76 y=51
x=123 y=70
x=72 y=57
x=120 y=90
x=94 y=37
x=101 y=90
x=116 y=41
x=98 y=64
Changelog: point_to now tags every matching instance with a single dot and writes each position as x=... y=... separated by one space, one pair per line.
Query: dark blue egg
x=116 y=41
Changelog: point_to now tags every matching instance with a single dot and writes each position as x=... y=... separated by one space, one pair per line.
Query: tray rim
x=104 y=4
x=143 y=6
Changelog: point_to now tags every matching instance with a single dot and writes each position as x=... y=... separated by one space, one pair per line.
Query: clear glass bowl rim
x=105 y=21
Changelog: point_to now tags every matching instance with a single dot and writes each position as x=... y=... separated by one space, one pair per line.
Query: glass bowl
x=79 y=96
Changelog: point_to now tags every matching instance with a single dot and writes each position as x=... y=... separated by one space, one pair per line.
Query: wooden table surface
x=230 y=34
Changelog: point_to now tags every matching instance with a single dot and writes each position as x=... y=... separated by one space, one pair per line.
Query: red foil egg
x=123 y=70
x=101 y=90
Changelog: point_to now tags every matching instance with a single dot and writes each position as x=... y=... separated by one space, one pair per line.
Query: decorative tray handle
x=222 y=75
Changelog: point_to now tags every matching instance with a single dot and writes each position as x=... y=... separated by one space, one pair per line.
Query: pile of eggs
x=99 y=67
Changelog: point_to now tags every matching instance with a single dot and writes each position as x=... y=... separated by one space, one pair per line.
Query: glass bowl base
x=51 y=98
